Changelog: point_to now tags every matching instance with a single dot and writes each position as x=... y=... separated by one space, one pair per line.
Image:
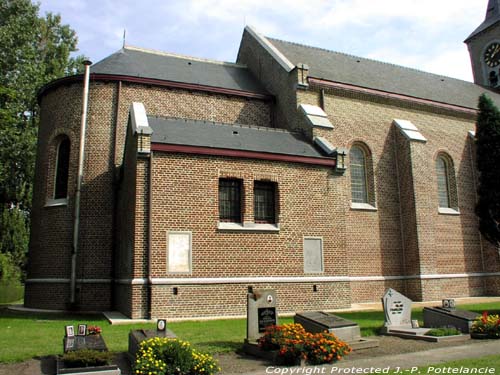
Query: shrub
x=439 y=332
x=11 y=291
x=86 y=358
x=487 y=324
x=294 y=342
x=165 y=356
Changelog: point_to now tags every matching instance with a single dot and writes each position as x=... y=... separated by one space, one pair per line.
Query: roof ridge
x=208 y=122
x=186 y=57
x=372 y=60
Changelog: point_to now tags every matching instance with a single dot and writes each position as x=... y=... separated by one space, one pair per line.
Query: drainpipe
x=150 y=239
x=81 y=157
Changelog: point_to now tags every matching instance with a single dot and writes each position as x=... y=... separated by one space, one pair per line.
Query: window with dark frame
x=62 y=169
x=264 y=194
x=359 y=188
x=443 y=183
x=230 y=200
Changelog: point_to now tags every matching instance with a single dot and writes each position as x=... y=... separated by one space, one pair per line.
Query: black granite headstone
x=266 y=317
x=91 y=342
x=449 y=317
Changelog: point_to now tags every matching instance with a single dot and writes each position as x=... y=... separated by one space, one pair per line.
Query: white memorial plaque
x=313 y=255
x=179 y=252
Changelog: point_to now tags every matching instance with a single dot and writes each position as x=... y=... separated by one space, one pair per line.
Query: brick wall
x=52 y=227
x=404 y=235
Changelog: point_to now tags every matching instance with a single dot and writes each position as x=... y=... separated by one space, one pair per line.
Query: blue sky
x=422 y=34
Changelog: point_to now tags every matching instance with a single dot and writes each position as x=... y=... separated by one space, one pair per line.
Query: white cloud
x=408 y=32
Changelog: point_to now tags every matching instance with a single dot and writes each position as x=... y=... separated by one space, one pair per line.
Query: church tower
x=484 y=48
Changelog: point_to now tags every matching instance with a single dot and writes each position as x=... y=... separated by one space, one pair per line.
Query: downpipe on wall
x=81 y=160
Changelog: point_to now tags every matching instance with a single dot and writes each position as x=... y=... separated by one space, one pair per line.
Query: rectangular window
x=230 y=200
x=179 y=252
x=264 y=193
x=313 y=255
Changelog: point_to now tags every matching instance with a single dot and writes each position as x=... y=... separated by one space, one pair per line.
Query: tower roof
x=492 y=17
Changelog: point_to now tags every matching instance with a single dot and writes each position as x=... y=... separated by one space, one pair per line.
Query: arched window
x=62 y=168
x=443 y=181
x=359 y=186
x=446 y=185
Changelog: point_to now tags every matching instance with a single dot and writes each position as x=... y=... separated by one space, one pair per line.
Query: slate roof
x=492 y=17
x=367 y=73
x=232 y=137
x=135 y=62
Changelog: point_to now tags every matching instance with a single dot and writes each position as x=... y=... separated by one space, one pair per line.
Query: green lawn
x=27 y=335
x=490 y=362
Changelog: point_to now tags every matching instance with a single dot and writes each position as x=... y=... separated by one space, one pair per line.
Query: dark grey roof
x=492 y=17
x=358 y=71
x=134 y=62
x=233 y=137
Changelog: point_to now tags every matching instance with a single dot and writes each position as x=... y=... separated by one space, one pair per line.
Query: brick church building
x=325 y=176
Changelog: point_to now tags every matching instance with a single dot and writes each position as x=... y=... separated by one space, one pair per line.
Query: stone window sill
x=56 y=202
x=448 y=211
x=248 y=227
x=363 y=207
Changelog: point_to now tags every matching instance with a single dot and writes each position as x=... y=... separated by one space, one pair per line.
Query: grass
x=490 y=362
x=26 y=335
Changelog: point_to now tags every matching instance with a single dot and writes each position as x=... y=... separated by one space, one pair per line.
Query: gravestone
x=345 y=330
x=319 y=321
x=91 y=342
x=438 y=317
x=397 y=309
x=261 y=312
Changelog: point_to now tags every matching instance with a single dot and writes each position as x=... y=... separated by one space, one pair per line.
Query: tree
x=488 y=156
x=35 y=50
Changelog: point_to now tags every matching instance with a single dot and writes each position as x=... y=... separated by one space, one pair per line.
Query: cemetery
x=267 y=338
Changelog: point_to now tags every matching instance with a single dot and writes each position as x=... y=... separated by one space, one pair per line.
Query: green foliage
x=165 y=356
x=488 y=154
x=440 y=332
x=10 y=292
x=35 y=50
x=9 y=271
x=14 y=240
x=86 y=358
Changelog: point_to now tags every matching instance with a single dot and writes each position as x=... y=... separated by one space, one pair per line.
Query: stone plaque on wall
x=313 y=255
x=179 y=252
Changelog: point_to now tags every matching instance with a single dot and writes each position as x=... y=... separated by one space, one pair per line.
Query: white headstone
x=397 y=309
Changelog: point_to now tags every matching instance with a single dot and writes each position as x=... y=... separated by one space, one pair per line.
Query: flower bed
x=166 y=356
x=486 y=326
x=293 y=343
